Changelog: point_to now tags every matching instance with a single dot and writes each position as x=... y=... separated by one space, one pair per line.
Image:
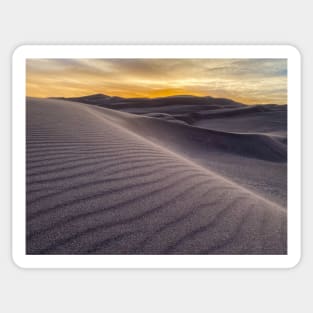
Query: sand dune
x=101 y=181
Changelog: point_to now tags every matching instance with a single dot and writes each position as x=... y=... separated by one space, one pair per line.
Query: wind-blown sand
x=102 y=181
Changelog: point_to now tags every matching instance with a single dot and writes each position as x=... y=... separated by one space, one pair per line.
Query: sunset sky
x=250 y=81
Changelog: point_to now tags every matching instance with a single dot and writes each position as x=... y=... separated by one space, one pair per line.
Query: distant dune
x=176 y=175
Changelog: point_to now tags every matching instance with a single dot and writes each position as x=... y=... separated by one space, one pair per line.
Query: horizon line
x=152 y=98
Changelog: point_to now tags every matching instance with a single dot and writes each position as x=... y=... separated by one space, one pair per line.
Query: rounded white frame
x=23 y=260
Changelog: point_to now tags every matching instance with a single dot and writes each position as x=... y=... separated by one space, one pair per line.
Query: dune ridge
x=107 y=182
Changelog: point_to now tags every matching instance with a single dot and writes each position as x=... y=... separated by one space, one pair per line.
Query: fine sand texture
x=168 y=178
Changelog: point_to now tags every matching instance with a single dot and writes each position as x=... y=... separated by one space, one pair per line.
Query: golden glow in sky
x=250 y=81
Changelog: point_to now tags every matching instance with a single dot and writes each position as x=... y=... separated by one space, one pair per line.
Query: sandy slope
x=108 y=182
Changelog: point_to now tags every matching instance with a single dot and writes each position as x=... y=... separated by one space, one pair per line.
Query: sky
x=250 y=81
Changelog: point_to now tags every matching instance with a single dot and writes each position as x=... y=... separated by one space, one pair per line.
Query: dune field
x=175 y=175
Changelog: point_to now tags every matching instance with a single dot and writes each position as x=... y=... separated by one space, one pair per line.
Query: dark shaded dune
x=242 y=111
x=212 y=113
x=170 y=118
x=267 y=119
x=98 y=182
x=191 y=138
